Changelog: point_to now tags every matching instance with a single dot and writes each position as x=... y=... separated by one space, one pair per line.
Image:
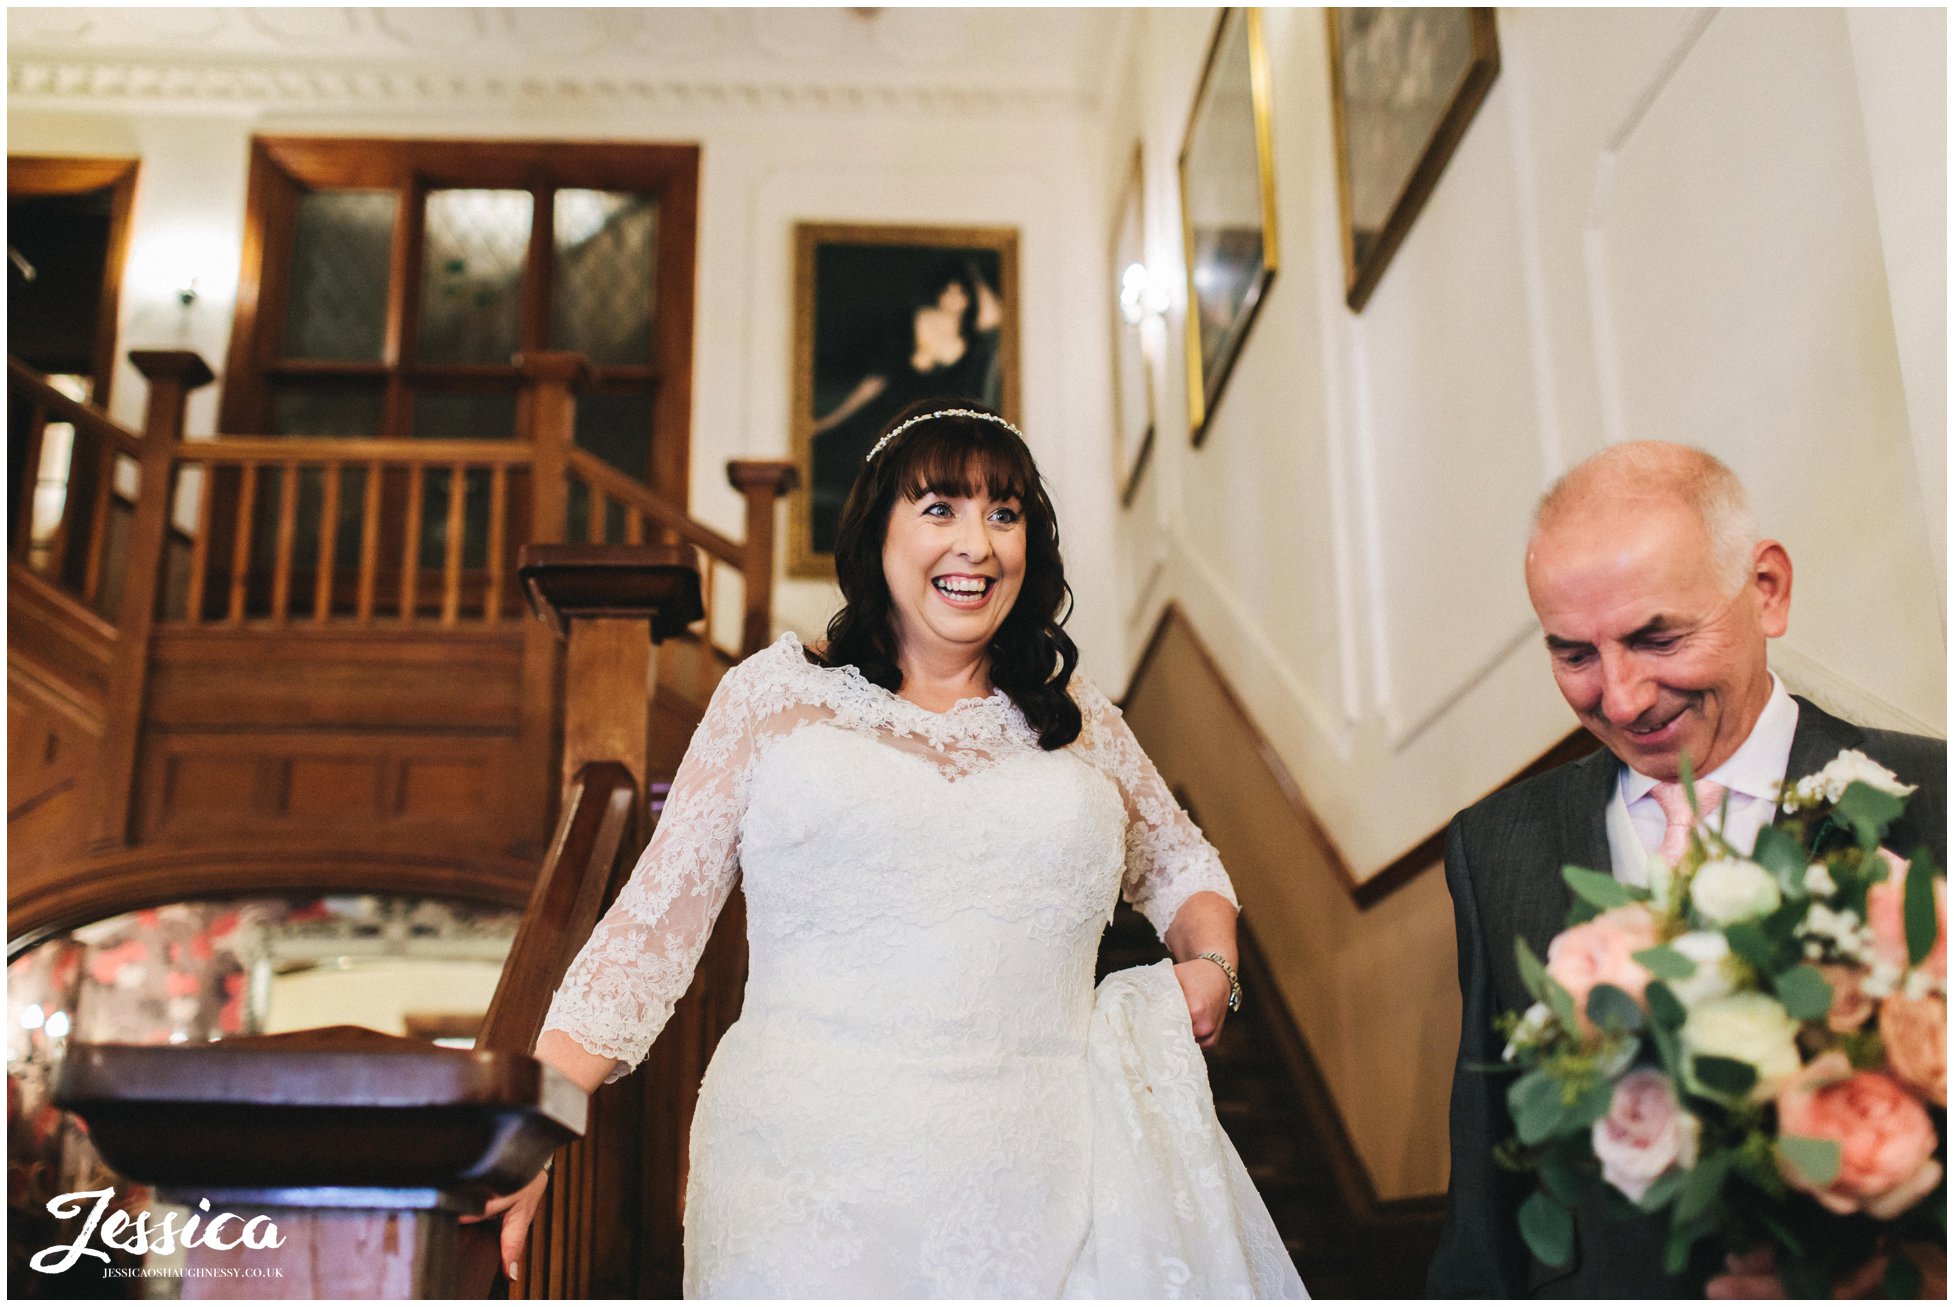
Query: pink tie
x=1674 y=803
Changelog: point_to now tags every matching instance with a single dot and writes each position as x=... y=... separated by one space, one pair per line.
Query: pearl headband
x=943 y=413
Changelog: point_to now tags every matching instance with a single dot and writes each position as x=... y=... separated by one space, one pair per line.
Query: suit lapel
x=1583 y=841
x=1818 y=739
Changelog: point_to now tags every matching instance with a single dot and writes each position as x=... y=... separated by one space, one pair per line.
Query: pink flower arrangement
x=1886 y=1139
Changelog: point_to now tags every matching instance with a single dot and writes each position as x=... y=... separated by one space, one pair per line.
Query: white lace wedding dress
x=921 y=1097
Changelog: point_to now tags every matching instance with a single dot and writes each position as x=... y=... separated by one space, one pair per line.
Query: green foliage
x=1724 y=1075
x=1666 y=1186
x=1534 y=1100
x=1749 y=941
x=1532 y=974
x=1610 y=1008
x=1816 y=1161
x=1560 y=1002
x=1603 y=892
x=1562 y=1178
x=1700 y=1190
x=1665 y=963
x=1864 y=1049
x=1548 y=1229
x=1805 y=993
x=1779 y=852
x=1922 y=918
x=1664 y=1006
x=1868 y=812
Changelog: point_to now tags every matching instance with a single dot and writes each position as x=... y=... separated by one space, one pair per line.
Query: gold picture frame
x=926 y=312
x=1430 y=70
x=1133 y=355
x=1228 y=239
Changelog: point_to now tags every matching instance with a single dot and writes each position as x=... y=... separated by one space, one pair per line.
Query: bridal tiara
x=943 y=413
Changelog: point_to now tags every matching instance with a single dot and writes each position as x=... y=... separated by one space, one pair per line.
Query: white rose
x=1733 y=889
x=1750 y=1028
x=1852 y=765
x=1710 y=951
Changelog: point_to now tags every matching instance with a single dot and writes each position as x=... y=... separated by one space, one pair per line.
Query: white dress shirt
x=1751 y=775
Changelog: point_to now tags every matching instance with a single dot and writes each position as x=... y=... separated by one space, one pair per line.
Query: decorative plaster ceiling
x=955 y=60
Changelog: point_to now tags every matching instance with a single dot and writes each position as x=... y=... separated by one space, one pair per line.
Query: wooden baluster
x=497 y=528
x=456 y=538
x=634 y=526
x=410 y=551
x=702 y=654
x=172 y=375
x=247 y=507
x=30 y=480
x=193 y=607
x=762 y=481
x=369 y=543
x=328 y=566
x=98 y=518
x=288 y=525
x=595 y=524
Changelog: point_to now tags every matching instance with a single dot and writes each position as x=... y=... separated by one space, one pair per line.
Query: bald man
x=1656 y=599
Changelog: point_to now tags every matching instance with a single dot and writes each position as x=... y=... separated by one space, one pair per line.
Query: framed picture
x=885 y=316
x=1228 y=208
x=1132 y=359
x=1404 y=83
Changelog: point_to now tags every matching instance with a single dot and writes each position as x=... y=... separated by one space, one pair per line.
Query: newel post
x=172 y=374
x=550 y=383
x=762 y=482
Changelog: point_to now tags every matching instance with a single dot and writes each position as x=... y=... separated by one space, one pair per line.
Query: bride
x=923 y=1096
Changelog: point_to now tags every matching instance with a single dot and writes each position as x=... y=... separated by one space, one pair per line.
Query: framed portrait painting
x=1133 y=422
x=1228 y=208
x=885 y=316
x=1404 y=84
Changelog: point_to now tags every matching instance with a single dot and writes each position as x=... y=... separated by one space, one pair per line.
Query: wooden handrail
x=61 y=408
x=351 y=450
x=601 y=476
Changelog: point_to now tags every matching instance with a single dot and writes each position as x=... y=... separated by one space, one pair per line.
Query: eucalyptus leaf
x=1699 y=1190
x=1665 y=1188
x=1675 y=1249
x=1724 y=1075
x=1591 y=1106
x=1548 y=1229
x=1610 y=1008
x=1779 y=852
x=1922 y=917
x=1665 y=963
x=1603 y=891
x=1868 y=811
x=1562 y=1179
x=1561 y=1002
x=1532 y=973
x=1816 y=1161
x=1749 y=942
x=1534 y=1100
x=1668 y=1048
x=1664 y=1006
x=1805 y=993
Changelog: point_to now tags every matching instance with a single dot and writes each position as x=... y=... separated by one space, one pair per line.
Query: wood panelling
x=51 y=750
x=382 y=678
x=60 y=643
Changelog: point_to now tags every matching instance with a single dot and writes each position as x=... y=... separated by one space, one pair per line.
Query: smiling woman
x=924 y=1095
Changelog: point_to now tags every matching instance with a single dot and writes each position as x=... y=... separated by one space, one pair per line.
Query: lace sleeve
x=620 y=990
x=1167 y=858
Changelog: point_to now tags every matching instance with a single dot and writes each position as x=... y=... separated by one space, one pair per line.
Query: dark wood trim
x=1401 y=870
x=37 y=175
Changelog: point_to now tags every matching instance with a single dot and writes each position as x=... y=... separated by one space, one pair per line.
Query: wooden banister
x=24 y=380
x=762 y=482
x=172 y=374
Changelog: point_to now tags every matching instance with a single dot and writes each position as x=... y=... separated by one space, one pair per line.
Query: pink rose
x=1886 y=914
x=1886 y=1139
x=1914 y=1031
x=1851 y=1007
x=1601 y=952
x=1645 y=1133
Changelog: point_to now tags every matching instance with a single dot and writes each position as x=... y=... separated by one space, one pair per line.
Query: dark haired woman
x=923 y=1097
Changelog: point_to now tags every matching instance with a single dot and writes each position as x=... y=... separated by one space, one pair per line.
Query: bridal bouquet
x=1753 y=1049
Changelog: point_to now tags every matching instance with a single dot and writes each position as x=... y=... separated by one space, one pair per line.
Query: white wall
x=1722 y=228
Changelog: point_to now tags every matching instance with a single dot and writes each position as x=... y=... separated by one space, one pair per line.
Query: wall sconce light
x=1139 y=297
x=186 y=294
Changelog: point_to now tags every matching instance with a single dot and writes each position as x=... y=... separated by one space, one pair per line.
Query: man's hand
x=1206 y=989
x=1755 y=1275
x=517 y=1210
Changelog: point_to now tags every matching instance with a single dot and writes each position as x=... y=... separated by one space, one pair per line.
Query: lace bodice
x=872 y=833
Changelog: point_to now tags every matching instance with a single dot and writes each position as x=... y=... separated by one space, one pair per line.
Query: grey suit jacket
x=1503 y=858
